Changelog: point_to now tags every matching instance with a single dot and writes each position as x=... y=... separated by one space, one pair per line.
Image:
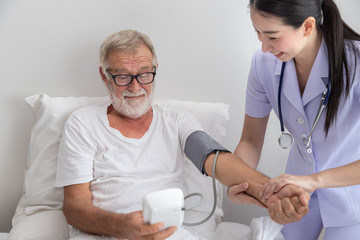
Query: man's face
x=133 y=100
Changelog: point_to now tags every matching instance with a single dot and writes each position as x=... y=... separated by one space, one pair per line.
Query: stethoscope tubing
x=323 y=104
x=279 y=96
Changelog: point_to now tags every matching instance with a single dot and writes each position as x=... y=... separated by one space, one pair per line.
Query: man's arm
x=82 y=214
x=231 y=170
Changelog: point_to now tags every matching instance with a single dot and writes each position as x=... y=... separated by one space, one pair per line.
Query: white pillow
x=214 y=118
x=50 y=115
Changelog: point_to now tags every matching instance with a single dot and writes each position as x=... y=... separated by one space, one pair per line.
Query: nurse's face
x=283 y=41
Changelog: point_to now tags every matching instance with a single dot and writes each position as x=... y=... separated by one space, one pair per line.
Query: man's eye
x=123 y=77
x=144 y=75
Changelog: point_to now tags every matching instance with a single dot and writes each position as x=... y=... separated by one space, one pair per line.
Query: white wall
x=204 y=49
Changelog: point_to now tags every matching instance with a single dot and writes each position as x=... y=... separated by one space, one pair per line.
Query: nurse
x=308 y=72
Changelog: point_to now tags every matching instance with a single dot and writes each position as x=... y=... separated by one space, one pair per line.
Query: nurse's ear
x=309 y=26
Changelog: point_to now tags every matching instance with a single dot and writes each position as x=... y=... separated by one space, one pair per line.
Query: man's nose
x=134 y=86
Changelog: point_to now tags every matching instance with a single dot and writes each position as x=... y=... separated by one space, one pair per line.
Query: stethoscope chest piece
x=285 y=140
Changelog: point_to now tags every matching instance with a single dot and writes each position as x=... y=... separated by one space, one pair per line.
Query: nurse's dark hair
x=336 y=34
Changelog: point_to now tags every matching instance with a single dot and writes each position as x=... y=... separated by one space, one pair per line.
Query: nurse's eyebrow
x=270 y=32
x=267 y=32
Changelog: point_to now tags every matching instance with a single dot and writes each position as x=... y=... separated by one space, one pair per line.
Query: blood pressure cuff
x=198 y=146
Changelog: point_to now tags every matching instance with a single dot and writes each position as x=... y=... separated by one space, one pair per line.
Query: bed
x=38 y=214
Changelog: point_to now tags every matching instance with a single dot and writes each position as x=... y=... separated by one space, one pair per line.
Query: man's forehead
x=129 y=65
x=142 y=55
x=138 y=49
x=146 y=67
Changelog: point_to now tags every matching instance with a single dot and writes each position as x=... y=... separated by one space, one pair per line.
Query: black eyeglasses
x=123 y=80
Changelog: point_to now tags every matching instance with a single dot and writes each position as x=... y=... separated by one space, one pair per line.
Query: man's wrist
x=256 y=186
x=118 y=225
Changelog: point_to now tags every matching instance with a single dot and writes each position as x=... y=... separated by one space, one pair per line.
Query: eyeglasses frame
x=132 y=77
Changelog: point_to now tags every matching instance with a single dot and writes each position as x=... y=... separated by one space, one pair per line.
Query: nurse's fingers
x=274 y=185
x=268 y=191
x=289 y=191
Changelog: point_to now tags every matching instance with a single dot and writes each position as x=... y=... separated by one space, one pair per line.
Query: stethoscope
x=286 y=139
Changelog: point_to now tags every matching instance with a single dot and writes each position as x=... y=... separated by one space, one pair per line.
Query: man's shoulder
x=87 y=113
x=166 y=110
x=176 y=112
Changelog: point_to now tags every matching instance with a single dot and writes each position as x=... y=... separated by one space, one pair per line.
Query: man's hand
x=286 y=210
x=237 y=195
x=135 y=228
x=290 y=204
x=290 y=191
x=80 y=212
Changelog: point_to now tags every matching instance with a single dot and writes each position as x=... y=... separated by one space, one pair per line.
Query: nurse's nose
x=265 y=46
x=264 y=43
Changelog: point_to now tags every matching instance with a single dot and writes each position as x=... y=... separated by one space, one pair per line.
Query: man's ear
x=309 y=26
x=102 y=74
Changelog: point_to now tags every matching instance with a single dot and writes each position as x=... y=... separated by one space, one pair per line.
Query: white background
x=204 y=49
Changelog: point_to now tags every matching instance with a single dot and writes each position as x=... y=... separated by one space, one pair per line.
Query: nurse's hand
x=290 y=204
x=274 y=185
x=236 y=194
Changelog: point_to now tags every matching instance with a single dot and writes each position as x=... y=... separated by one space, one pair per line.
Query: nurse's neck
x=305 y=59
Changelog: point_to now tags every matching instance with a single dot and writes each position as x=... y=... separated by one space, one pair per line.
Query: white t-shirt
x=122 y=170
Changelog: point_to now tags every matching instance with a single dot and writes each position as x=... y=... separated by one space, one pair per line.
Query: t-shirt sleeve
x=76 y=154
x=188 y=124
x=257 y=103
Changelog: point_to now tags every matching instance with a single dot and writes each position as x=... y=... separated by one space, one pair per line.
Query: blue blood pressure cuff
x=198 y=146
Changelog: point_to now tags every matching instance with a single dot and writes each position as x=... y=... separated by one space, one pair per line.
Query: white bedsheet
x=262 y=228
x=4 y=236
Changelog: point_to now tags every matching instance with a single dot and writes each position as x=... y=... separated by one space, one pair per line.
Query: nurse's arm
x=346 y=175
x=252 y=140
x=343 y=176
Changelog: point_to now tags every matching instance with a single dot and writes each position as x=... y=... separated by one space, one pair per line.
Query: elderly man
x=111 y=156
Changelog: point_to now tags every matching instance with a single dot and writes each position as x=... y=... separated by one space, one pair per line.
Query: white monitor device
x=166 y=206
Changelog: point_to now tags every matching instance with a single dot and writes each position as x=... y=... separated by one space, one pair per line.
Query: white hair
x=126 y=41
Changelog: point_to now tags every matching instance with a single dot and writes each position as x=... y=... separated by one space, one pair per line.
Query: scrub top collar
x=316 y=84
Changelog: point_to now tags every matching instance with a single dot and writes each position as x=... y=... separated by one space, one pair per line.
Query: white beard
x=132 y=108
